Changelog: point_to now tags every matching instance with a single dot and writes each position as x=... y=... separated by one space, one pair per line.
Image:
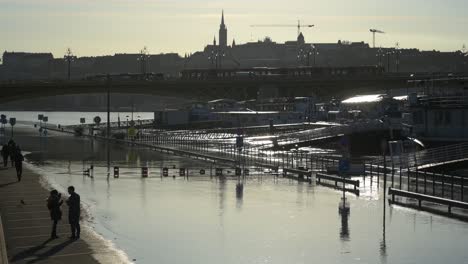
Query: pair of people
x=53 y=204
x=14 y=152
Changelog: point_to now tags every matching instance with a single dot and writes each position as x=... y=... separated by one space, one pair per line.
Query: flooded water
x=73 y=118
x=202 y=220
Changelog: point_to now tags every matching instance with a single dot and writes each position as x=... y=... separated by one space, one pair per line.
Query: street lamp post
x=397 y=57
x=388 y=60
x=12 y=123
x=143 y=58
x=314 y=52
x=69 y=58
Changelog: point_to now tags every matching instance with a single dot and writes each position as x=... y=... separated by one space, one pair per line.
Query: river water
x=202 y=220
x=73 y=118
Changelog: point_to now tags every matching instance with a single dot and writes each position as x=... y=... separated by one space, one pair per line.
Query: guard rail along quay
x=423 y=197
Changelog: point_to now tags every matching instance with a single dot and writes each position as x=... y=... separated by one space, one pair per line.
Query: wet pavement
x=27 y=226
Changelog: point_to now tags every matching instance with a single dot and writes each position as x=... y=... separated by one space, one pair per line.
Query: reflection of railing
x=312 y=134
x=445 y=101
x=116 y=124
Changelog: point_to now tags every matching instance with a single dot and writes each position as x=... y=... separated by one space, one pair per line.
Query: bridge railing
x=427 y=157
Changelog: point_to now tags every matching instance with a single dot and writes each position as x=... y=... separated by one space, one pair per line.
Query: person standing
x=73 y=203
x=19 y=158
x=53 y=203
x=5 y=155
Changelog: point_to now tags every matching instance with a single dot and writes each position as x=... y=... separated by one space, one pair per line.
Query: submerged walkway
x=27 y=226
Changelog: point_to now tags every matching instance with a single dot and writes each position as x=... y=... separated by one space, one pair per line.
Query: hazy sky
x=97 y=27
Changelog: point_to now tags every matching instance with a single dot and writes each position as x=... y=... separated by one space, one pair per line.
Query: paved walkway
x=27 y=226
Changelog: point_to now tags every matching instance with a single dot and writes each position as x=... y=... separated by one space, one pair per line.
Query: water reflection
x=239 y=195
x=344 y=212
x=383 y=242
x=222 y=198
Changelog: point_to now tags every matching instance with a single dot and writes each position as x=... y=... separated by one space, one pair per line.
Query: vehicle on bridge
x=262 y=72
x=127 y=77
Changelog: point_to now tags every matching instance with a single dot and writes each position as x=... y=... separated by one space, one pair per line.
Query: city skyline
x=116 y=26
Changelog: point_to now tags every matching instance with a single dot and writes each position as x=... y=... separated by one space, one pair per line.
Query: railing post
x=400 y=169
x=417 y=179
x=443 y=185
x=462 y=184
x=393 y=172
x=425 y=181
x=451 y=188
x=408 y=172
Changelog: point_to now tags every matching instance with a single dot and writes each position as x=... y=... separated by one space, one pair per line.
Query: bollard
x=144 y=172
x=116 y=172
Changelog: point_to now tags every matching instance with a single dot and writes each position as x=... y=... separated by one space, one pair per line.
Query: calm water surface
x=201 y=220
x=73 y=118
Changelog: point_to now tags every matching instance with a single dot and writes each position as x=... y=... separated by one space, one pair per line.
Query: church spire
x=214 y=41
x=222 y=39
x=222 y=17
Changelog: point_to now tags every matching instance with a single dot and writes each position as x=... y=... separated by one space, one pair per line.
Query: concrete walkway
x=27 y=226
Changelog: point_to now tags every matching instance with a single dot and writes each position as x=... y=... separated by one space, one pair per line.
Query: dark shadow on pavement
x=30 y=251
x=6 y=184
x=51 y=252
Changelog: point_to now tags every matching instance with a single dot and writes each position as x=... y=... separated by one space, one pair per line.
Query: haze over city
x=116 y=26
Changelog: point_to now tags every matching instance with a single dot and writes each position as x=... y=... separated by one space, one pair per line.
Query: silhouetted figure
x=11 y=151
x=53 y=203
x=19 y=163
x=74 y=212
x=5 y=155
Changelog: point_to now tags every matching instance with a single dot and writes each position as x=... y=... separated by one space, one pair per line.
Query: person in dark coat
x=73 y=203
x=19 y=158
x=11 y=151
x=5 y=155
x=53 y=203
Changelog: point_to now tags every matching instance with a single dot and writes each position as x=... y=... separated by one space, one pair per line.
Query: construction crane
x=299 y=26
x=373 y=35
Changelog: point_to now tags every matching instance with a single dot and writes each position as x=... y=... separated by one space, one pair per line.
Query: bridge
x=220 y=84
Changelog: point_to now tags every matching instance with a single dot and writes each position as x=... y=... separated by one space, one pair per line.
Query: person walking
x=73 y=203
x=5 y=155
x=19 y=158
x=53 y=203
x=11 y=151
